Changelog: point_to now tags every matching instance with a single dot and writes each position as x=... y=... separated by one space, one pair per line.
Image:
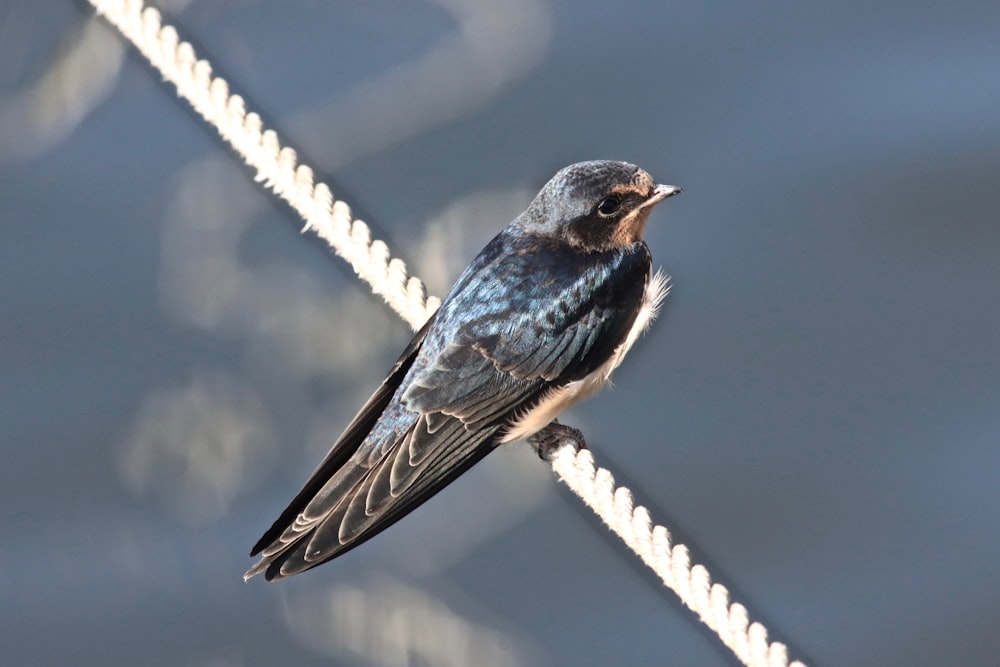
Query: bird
x=536 y=323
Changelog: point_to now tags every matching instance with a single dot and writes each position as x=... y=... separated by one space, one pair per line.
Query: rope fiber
x=278 y=169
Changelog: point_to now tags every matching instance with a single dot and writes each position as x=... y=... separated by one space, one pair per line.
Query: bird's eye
x=609 y=206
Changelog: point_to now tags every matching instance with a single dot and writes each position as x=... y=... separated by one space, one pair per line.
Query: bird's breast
x=558 y=399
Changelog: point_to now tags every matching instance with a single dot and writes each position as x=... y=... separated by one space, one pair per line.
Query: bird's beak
x=632 y=225
x=661 y=192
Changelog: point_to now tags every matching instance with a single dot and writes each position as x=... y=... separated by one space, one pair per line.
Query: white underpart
x=561 y=398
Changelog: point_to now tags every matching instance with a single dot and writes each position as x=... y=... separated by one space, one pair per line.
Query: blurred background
x=816 y=411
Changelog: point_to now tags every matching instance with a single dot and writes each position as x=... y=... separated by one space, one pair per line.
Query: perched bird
x=537 y=322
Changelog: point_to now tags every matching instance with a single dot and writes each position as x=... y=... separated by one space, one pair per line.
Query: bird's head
x=595 y=206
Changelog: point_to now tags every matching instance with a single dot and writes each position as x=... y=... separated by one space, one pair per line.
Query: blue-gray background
x=816 y=412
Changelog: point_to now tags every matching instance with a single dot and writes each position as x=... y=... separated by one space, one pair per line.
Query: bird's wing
x=453 y=406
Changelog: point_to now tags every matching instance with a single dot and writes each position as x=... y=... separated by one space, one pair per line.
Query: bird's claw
x=553 y=437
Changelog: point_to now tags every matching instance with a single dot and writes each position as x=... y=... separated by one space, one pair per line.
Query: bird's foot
x=553 y=437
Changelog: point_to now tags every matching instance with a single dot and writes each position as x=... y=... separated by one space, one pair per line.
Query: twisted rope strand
x=672 y=563
x=277 y=166
x=331 y=219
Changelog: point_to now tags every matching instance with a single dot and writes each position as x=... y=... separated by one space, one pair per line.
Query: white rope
x=277 y=167
x=692 y=583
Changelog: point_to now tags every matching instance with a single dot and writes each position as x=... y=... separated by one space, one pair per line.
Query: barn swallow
x=536 y=323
